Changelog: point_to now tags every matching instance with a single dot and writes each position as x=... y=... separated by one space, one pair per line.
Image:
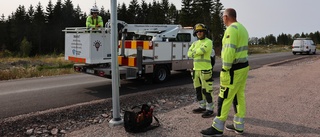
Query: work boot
x=211 y=132
x=232 y=128
x=207 y=114
x=198 y=110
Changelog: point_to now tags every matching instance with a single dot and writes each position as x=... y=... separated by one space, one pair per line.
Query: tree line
x=283 y=39
x=38 y=30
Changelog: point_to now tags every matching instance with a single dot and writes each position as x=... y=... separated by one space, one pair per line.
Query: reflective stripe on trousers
x=218 y=124
x=238 y=123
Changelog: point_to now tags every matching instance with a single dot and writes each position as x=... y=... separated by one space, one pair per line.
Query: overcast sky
x=261 y=17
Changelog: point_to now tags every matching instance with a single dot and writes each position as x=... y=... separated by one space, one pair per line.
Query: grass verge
x=16 y=68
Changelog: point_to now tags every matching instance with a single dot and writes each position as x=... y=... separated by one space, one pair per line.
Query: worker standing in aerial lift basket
x=94 y=20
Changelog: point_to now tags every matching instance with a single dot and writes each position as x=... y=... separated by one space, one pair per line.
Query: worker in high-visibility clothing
x=233 y=76
x=94 y=20
x=200 y=51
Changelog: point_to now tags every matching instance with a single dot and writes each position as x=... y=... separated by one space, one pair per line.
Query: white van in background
x=303 y=45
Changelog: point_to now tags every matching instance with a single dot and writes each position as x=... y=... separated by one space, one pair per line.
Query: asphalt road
x=37 y=94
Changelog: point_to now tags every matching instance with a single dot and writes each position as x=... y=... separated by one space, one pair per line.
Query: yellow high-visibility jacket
x=91 y=23
x=234 y=46
x=200 y=51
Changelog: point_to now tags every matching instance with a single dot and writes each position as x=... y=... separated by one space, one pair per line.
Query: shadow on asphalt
x=282 y=126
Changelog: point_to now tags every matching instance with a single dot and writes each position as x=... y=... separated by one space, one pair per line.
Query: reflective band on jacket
x=202 y=60
x=240 y=49
x=234 y=26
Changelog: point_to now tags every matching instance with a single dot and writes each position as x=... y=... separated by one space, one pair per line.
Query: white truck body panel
x=177 y=51
x=162 y=51
x=92 y=46
x=185 y=48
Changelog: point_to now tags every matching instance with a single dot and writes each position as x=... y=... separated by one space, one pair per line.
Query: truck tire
x=161 y=73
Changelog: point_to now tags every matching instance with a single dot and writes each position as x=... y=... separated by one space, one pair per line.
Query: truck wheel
x=161 y=74
x=314 y=52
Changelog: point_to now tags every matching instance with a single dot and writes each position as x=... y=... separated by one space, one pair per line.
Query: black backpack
x=140 y=120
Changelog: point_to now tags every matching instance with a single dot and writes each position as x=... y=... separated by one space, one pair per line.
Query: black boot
x=211 y=132
x=198 y=110
x=208 y=114
x=232 y=128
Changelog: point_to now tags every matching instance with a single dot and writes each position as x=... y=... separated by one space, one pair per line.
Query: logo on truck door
x=97 y=44
x=76 y=52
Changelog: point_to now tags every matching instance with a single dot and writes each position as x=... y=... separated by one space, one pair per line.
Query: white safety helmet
x=94 y=9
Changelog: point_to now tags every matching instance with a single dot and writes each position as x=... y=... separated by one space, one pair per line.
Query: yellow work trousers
x=202 y=82
x=234 y=94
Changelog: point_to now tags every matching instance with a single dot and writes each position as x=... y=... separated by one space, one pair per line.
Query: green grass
x=16 y=68
x=258 y=49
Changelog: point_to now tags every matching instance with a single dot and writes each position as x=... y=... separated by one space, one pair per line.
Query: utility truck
x=145 y=51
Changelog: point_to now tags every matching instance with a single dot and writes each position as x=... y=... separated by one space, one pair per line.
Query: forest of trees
x=284 y=39
x=38 y=30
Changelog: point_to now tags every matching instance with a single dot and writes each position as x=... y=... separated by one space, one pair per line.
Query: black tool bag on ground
x=140 y=120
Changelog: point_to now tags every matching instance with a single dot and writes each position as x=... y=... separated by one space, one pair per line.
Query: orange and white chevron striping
x=127 y=61
x=133 y=44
